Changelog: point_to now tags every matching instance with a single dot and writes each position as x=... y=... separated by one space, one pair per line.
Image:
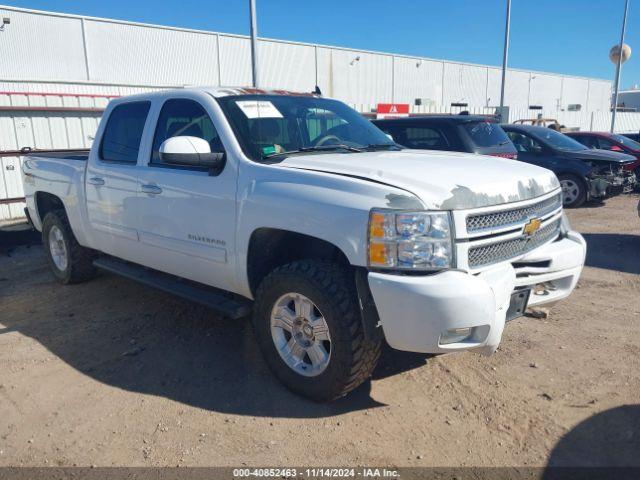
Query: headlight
x=409 y=240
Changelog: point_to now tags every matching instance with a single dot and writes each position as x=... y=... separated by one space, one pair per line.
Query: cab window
x=524 y=143
x=123 y=133
x=184 y=117
x=587 y=140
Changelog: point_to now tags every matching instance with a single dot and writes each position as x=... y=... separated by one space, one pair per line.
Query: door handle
x=96 y=181
x=151 y=189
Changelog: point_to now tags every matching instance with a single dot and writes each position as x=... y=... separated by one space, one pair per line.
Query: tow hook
x=545 y=288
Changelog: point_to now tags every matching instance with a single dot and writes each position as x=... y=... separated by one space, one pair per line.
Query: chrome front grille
x=504 y=218
x=511 y=248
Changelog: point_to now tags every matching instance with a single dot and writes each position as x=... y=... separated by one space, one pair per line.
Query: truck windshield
x=270 y=127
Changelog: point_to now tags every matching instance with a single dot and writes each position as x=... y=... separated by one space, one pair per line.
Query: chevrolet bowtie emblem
x=532 y=226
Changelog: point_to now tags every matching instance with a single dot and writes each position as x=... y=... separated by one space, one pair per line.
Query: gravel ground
x=114 y=373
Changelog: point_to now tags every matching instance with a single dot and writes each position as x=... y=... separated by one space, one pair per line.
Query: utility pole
x=254 y=43
x=505 y=57
x=619 y=66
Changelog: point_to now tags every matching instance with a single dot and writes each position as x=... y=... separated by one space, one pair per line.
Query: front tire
x=574 y=191
x=69 y=261
x=308 y=324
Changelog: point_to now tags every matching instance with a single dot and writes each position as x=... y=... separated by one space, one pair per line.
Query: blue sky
x=564 y=36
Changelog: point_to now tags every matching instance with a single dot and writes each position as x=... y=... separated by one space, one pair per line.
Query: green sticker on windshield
x=269 y=150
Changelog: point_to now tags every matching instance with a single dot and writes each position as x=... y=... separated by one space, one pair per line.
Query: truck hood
x=442 y=180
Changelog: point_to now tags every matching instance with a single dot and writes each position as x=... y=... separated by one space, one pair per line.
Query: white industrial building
x=58 y=71
x=102 y=56
x=629 y=100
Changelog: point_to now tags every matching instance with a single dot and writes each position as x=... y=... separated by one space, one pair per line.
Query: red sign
x=393 y=110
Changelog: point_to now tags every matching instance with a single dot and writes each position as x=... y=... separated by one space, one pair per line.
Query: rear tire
x=574 y=190
x=345 y=359
x=70 y=262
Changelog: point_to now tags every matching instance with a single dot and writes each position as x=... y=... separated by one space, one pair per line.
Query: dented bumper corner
x=424 y=313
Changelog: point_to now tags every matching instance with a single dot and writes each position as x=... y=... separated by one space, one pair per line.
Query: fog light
x=455 y=335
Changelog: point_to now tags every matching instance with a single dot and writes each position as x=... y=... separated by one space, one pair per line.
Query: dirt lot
x=113 y=373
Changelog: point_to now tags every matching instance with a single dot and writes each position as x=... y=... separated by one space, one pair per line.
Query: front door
x=529 y=149
x=187 y=216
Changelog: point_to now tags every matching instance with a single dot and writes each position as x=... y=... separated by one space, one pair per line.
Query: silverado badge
x=531 y=227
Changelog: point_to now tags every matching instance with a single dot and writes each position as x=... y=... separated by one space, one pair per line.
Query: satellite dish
x=614 y=53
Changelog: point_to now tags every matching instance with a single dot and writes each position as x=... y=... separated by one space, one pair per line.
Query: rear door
x=112 y=179
x=186 y=216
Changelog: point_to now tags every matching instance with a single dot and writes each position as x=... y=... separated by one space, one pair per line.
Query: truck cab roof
x=216 y=92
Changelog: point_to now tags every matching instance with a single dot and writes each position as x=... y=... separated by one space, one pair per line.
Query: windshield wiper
x=380 y=146
x=316 y=148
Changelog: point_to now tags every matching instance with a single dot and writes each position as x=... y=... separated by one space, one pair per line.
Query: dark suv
x=459 y=133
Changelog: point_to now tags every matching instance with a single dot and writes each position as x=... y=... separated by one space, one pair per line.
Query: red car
x=612 y=142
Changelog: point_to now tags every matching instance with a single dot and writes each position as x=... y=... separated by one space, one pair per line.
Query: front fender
x=330 y=207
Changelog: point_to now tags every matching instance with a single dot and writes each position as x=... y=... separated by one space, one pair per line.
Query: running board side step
x=217 y=300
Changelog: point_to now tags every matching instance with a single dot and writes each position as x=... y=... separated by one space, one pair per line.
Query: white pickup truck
x=296 y=209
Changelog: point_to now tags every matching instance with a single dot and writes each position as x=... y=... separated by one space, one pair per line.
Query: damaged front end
x=610 y=179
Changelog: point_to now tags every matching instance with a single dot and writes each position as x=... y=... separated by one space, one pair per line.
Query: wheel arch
x=47 y=202
x=270 y=248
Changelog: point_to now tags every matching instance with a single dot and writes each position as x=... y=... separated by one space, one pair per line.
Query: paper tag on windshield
x=259 y=109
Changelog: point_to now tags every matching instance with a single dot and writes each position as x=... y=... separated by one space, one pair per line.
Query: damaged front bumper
x=601 y=186
x=454 y=310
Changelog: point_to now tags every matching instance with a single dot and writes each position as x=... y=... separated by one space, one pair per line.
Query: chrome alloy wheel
x=570 y=191
x=58 y=248
x=301 y=334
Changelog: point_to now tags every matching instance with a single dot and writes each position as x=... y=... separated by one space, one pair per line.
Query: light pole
x=505 y=57
x=254 y=43
x=619 y=65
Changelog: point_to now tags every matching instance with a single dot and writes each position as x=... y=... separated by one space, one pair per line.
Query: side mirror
x=190 y=151
x=390 y=137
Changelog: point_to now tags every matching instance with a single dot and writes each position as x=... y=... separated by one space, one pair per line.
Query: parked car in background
x=458 y=133
x=632 y=136
x=583 y=173
x=612 y=142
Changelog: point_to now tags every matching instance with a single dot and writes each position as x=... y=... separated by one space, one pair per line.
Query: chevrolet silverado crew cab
x=297 y=210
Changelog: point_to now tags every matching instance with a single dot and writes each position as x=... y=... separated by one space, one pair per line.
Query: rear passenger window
x=184 y=117
x=425 y=138
x=122 y=135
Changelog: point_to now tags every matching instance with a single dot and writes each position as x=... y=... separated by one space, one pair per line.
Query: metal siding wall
x=516 y=91
x=42 y=130
x=600 y=94
x=122 y=53
x=287 y=66
x=416 y=78
x=235 y=61
x=465 y=84
x=42 y=46
x=546 y=91
x=369 y=79
x=574 y=90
